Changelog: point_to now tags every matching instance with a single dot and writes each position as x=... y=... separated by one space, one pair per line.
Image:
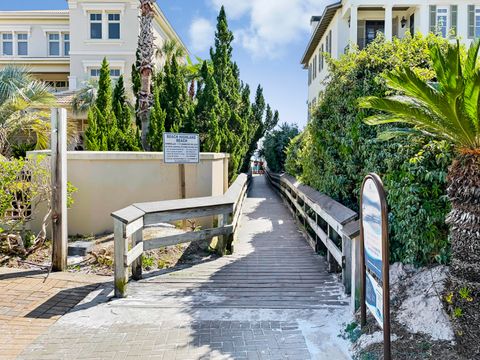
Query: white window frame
x=10 y=40
x=21 y=41
x=96 y=21
x=66 y=41
x=97 y=71
x=114 y=22
x=50 y=41
x=443 y=11
x=476 y=22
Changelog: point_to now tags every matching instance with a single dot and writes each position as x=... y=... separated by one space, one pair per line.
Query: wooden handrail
x=129 y=223
x=327 y=219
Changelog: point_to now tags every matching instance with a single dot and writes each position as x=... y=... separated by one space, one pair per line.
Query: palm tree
x=146 y=48
x=20 y=98
x=448 y=109
x=85 y=98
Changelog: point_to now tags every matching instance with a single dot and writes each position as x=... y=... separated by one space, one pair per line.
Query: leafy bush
x=275 y=144
x=337 y=150
x=25 y=185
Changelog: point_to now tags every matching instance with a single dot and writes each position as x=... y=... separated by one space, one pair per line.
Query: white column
x=388 y=22
x=462 y=26
x=353 y=24
x=422 y=24
x=72 y=83
x=104 y=25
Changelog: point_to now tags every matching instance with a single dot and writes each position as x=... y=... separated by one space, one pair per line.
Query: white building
x=358 y=22
x=66 y=47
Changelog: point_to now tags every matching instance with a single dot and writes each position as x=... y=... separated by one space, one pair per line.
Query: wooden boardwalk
x=272 y=299
x=272 y=267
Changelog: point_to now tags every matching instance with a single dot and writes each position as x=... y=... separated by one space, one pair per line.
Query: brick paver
x=30 y=302
x=272 y=299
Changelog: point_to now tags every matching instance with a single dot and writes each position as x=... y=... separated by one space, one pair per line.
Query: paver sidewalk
x=272 y=299
x=30 y=303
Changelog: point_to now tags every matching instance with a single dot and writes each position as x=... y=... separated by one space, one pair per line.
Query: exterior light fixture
x=403 y=22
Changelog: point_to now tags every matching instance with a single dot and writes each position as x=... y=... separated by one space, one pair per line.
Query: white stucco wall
x=110 y=181
x=341 y=30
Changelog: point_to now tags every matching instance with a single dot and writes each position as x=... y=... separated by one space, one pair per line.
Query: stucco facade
x=358 y=21
x=66 y=47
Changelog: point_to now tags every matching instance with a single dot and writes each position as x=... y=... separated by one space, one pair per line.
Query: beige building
x=358 y=21
x=66 y=47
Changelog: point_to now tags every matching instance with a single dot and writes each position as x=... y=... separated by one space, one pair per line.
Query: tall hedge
x=337 y=150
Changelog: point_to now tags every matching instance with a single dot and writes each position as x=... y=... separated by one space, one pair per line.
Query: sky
x=270 y=39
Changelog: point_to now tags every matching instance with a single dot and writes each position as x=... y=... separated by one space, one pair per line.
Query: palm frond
x=447 y=109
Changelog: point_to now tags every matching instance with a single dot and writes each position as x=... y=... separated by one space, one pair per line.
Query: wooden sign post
x=59 y=189
x=181 y=149
x=374 y=256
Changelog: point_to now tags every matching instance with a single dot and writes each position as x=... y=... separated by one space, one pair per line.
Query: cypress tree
x=174 y=97
x=157 y=123
x=207 y=113
x=127 y=136
x=103 y=136
x=136 y=85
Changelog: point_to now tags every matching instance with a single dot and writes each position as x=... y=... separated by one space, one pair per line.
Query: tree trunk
x=146 y=48
x=464 y=221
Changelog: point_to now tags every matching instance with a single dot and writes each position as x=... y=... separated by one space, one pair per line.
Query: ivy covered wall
x=337 y=150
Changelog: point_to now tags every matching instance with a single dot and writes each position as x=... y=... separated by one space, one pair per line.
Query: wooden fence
x=330 y=228
x=130 y=222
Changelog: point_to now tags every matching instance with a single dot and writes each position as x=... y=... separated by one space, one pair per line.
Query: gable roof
x=323 y=22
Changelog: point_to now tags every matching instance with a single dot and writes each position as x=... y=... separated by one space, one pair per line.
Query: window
x=309 y=74
x=330 y=42
x=442 y=21
x=7 y=44
x=54 y=44
x=22 y=44
x=477 y=22
x=322 y=59
x=66 y=44
x=114 y=26
x=315 y=67
x=113 y=72
x=95 y=26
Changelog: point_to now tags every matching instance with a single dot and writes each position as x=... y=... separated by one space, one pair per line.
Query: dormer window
x=95 y=26
x=114 y=26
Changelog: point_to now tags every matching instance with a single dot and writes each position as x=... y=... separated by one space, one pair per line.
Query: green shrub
x=337 y=150
x=276 y=141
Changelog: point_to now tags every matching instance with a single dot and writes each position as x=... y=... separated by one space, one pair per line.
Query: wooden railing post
x=356 y=274
x=120 y=250
x=137 y=238
x=59 y=190
x=347 y=263
x=222 y=239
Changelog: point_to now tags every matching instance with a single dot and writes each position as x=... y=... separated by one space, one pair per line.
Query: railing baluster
x=137 y=238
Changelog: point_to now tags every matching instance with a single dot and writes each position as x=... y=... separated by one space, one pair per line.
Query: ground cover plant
x=338 y=149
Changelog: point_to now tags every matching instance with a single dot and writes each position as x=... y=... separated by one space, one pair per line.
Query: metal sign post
x=374 y=256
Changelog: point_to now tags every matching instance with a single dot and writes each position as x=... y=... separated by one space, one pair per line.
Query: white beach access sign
x=181 y=148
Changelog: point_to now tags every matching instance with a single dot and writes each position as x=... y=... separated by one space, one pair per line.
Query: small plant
x=449 y=298
x=465 y=294
x=457 y=312
x=148 y=262
x=352 y=332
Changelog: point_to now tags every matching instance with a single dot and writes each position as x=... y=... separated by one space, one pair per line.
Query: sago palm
x=20 y=98
x=448 y=109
